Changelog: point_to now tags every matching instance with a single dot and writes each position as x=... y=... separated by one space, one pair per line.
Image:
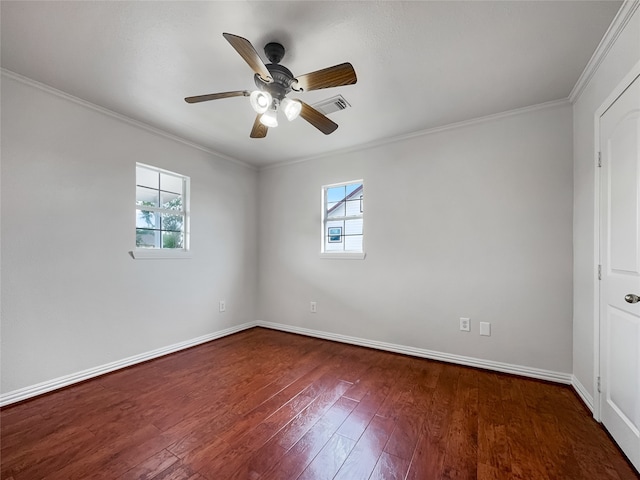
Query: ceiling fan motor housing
x=282 y=80
x=274 y=52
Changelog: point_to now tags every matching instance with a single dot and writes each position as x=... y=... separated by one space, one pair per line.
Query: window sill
x=343 y=255
x=152 y=254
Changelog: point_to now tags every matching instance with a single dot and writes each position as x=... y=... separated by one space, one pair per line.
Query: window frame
x=165 y=253
x=324 y=233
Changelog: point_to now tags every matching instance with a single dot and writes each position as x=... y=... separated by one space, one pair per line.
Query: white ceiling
x=420 y=65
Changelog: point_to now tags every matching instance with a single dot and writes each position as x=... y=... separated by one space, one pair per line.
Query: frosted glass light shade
x=260 y=101
x=291 y=108
x=269 y=119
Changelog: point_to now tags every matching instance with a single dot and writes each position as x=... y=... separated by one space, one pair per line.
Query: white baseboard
x=582 y=392
x=60 y=382
x=65 y=381
x=557 y=377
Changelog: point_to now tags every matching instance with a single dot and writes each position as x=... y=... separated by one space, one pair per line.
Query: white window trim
x=165 y=253
x=343 y=255
x=339 y=255
x=169 y=253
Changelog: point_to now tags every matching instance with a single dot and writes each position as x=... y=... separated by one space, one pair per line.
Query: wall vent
x=331 y=105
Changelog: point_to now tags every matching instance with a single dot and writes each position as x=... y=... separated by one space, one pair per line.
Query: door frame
x=610 y=100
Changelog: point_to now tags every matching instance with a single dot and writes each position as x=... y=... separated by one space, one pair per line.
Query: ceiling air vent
x=333 y=104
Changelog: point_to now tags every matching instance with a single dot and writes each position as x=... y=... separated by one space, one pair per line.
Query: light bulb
x=269 y=118
x=260 y=101
x=291 y=108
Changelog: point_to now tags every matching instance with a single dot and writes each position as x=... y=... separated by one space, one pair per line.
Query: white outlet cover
x=223 y=306
x=314 y=307
x=465 y=324
x=485 y=329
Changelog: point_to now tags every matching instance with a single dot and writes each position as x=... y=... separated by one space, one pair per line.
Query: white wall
x=489 y=236
x=623 y=55
x=72 y=296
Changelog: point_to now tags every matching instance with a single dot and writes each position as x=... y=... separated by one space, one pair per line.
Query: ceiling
x=420 y=65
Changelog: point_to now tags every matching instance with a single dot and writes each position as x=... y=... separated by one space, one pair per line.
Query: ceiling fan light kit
x=275 y=81
x=291 y=108
x=269 y=118
x=260 y=101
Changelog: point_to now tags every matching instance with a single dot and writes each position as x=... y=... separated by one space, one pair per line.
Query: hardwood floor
x=267 y=405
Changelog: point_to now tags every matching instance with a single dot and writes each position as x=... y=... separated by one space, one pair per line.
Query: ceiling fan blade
x=335 y=76
x=246 y=51
x=317 y=119
x=259 y=130
x=216 y=96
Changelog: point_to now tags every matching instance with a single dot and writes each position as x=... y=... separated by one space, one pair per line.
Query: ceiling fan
x=275 y=81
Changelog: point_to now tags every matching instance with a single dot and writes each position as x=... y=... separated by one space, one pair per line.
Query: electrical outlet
x=314 y=307
x=223 y=306
x=465 y=324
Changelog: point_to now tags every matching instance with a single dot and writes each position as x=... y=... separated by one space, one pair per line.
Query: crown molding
x=118 y=116
x=617 y=26
x=421 y=133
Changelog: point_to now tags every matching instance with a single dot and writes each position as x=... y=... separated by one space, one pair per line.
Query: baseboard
x=582 y=392
x=551 y=376
x=65 y=381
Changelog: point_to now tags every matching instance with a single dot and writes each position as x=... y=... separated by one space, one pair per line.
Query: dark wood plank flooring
x=267 y=405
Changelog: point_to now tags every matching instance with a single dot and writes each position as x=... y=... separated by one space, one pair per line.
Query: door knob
x=632 y=298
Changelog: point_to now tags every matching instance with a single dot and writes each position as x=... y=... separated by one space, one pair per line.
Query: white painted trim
x=343 y=255
x=582 y=392
x=611 y=98
x=617 y=26
x=65 y=381
x=136 y=123
x=159 y=253
x=452 y=126
x=596 y=262
x=557 y=377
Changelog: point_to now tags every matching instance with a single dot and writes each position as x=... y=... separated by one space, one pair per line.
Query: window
x=162 y=215
x=342 y=219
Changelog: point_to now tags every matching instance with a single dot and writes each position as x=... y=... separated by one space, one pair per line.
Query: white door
x=620 y=259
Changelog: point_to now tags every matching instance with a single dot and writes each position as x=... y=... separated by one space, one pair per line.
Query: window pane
x=147 y=238
x=147 y=178
x=353 y=227
x=170 y=183
x=352 y=188
x=353 y=207
x=173 y=223
x=146 y=219
x=335 y=223
x=353 y=243
x=171 y=201
x=341 y=235
x=146 y=197
x=163 y=191
x=334 y=234
x=335 y=194
x=333 y=247
x=172 y=240
x=335 y=210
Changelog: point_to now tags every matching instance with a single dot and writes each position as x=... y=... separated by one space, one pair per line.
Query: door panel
x=623 y=193
x=623 y=361
x=620 y=258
